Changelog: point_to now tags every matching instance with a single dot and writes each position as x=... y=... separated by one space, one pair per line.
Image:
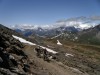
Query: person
x=26 y=67
x=38 y=50
x=45 y=54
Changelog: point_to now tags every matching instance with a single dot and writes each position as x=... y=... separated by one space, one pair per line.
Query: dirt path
x=49 y=68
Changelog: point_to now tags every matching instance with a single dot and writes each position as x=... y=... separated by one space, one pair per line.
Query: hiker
x=38 y=50
x=45 y=55
x=26 y=67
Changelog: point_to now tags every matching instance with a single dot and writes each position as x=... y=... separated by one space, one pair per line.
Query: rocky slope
x=83 y=57
x=91 y=35
x=13 y=60
x=87 y=36
x=17 y=58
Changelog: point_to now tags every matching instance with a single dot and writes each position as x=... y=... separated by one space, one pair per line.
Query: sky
x=42 y=12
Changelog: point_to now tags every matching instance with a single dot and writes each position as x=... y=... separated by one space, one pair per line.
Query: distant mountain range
x=70 y=25
x=77 y=22
x=79 y=29
x=88 y=36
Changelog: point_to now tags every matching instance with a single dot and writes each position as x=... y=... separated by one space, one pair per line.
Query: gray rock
x=6 y=72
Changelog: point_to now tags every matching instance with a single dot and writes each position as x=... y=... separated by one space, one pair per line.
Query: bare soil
x=41 y=67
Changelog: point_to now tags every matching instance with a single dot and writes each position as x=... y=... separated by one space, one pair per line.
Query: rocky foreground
x=13 y=61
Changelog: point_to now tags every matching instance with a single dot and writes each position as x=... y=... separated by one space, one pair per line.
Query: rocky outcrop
x=13 y=60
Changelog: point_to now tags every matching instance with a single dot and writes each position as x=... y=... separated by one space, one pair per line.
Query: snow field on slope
x=30 y=43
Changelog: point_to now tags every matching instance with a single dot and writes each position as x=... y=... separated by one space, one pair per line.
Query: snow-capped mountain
x=24 y=27
x=78 y=22
x=72 y=25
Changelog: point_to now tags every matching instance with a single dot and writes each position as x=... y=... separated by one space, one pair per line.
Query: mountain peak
x=77 y=22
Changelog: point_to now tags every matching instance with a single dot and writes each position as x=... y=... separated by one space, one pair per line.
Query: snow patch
x=49 y=50
x=76 y=38
x=58 y=43
x=57 y=36
x=30 y=43
x=67 y=54
x=23 y=40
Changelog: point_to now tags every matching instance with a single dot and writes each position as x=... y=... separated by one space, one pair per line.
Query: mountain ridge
x=78 y=22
